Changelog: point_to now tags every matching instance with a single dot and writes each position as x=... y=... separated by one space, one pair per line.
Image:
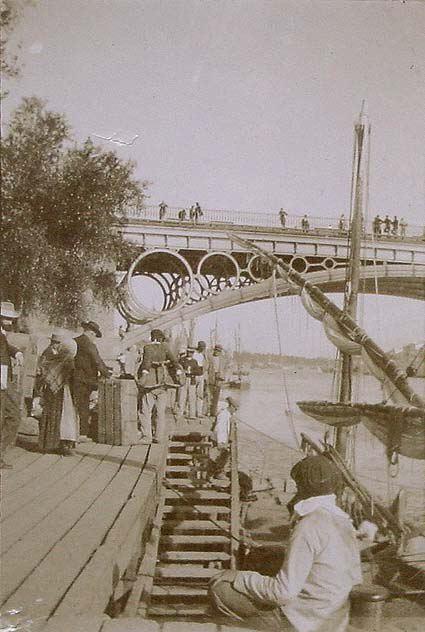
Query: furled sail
x=400 y=425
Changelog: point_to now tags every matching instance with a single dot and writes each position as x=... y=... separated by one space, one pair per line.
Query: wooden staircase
x=195 y=538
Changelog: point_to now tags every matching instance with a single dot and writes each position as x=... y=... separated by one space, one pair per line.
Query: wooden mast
x=359 y=191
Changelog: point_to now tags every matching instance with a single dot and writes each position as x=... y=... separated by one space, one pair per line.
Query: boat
x=239 y=378
x=399 y=421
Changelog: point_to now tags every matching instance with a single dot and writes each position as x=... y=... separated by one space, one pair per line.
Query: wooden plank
x=28 y=493
x=111 y=559
x=134 y=624
x=193 y=494
x=20 y=523
x=140 y=595
x=21 y=560
x=108 y=419
x=101 y=412
x=194 y=539
x=184 y=571
x=31 y=471
x=194 y=556
x=20 y=460
x=181 y=526
x=203 y=509
x=68 y=557
x=129 y=397
x=117 y=416
x=80 y=623
x=12 y=503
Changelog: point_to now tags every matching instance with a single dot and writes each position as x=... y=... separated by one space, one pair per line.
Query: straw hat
x=7 y=310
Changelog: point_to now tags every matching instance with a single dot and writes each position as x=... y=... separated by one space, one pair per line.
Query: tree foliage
x=62 y=203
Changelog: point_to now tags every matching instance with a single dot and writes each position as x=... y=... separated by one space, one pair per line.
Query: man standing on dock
x=215 y=378
x=88 y=365
x=200 y=356
x=153 y=379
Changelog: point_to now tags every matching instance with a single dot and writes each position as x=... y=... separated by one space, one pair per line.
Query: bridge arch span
x=407 y=281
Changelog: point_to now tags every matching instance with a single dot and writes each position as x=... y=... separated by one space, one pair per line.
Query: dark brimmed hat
x=191 y=349
x=218 y=348
x=92 y=326
x=157 y=334
x=232 y=402
x=316 y=476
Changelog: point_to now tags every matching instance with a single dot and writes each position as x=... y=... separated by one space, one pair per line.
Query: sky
x=247 y=105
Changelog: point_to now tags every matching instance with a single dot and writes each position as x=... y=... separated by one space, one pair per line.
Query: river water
x=270 y=422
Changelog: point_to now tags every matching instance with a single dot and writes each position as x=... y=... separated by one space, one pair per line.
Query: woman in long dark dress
x=59 y=427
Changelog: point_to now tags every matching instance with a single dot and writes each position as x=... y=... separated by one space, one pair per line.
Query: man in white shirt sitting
x=311 y=591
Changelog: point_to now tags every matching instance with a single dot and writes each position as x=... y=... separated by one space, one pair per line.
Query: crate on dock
x=117 y=412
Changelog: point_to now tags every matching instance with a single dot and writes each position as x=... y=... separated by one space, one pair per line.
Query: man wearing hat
x=216 y=370
x=322 y=563
x=88 y=366
x=187 y=393
x=9 y=404
x=153 y=379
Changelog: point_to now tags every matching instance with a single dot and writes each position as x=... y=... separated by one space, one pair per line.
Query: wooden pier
x=74 y=529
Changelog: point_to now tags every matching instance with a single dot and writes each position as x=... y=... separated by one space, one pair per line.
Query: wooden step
x=181 y=526
x=199 y=494
x=179 y=468
x=181 y=482
x=178 y=610
x=159 y=591
x=188 y=444
x=194 y=539
x=200 y=509
x=179 y=456
x=194 y=556
x=183 y=571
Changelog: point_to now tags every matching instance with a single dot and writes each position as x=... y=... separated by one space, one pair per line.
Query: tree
x=62 y=205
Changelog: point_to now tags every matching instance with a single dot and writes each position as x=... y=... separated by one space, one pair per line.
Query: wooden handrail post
x=234 y=492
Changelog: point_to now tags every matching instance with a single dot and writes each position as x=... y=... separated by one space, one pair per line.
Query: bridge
x=197 y=267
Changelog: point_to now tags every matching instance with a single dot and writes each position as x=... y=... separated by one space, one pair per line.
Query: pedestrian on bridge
x=305 y=224
x=182 y=215
x=197 y=213
x=403 y=227
x=342 y=224
x=154 y=380
x=395 y=226
x=387 y=225
x=377 y=226
x=282 y=216
x=162 y=210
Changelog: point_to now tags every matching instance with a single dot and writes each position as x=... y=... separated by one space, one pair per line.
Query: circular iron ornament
x=218 y=280
x=259 y=268
x=131 y=304
x=299 y=264
x=329 y=263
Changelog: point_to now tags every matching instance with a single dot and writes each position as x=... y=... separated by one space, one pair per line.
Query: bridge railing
x=265 y=219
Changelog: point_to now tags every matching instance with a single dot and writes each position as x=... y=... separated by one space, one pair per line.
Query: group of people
x=388 y=226
x=190 y=383
x=193 y=214
x=67 y=374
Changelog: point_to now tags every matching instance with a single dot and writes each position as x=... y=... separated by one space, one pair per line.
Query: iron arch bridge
x=193 y=281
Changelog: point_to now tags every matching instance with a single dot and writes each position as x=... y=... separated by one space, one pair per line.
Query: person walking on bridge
x=162 y=210
x=403 y=227
x=387 y=225
x=153 y=379
x=395 y=226
x=282 y=216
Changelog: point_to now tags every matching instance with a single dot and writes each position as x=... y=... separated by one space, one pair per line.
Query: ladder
x=194 y=540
